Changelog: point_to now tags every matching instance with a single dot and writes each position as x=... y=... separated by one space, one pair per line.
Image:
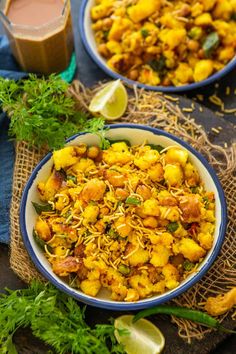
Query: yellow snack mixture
x=133 y=219
x=168 y=43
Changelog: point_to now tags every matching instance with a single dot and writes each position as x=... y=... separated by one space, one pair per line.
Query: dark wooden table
x=215 y=343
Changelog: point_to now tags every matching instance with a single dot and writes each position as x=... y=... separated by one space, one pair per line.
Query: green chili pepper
x=158 y=65
x=158 y=148
x=39 y=208
x=183 y=312
x=144 y=32
x=172 y=226
x=206 y=202
x=132 y=200
x=211 y=43
x=123 y=269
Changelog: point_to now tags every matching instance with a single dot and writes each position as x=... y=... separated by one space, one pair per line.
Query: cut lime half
x=141 y=337
x=110 y=101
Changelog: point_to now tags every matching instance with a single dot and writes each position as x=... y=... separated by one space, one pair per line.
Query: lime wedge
x=142 y=337
x=110 y=101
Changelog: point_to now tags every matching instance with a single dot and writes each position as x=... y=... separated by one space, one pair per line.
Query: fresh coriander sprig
x=55 y=318
x=42 y=113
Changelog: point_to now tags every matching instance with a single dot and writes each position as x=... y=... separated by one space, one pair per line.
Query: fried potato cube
x=117 y=154
x=176 y=155
x=205 y=240
x=173 y=37
x=94 y=190
x=208 y=4
x=132 y=295
x=204 y=19
x=222 y=303
x=143 y=9
x=65 y=266
x=141 y=256
x=48 y=189
x=183 y=74
x=151 y=207
x=90 y=287
x=203 y=69
x=64 y=157
x=119 y=26
x=101 y=10
x=191 y=249
x=173 y=174
x=119 y=292
x=191 y=174
x=90 y=214
x=160 y=256
x=142 y=284
x=84 y=165
x=171 y=275
x=156 y=172
x=223 y=10
x=42 y=229
x=122 y=226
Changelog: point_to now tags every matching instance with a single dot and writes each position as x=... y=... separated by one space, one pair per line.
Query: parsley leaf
x=42 y=112
x=54 y=317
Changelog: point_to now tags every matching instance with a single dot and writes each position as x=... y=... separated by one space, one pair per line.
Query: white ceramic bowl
x=88 y=39
x=136 y=134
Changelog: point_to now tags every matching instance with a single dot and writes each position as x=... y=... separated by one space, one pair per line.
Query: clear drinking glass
x=44 y=49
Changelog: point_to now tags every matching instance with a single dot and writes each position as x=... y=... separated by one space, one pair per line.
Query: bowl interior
x=136 y=135
x=88 y=39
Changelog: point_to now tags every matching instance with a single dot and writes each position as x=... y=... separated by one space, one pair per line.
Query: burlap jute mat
x=155 y=110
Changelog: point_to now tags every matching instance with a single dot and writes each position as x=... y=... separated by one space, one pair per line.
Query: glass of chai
x=40 y=33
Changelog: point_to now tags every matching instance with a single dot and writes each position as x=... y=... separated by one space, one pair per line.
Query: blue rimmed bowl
x=136 y=134
x=88 y=40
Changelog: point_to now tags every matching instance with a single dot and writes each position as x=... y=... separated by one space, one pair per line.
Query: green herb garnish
x=112 y=233
x=158 y=148
x=233 y=16
x=211 y=43
x=172 y=226
x=194 y=190
x=158 y=65
x=56 y=319
x=72 y=178
x=187 y=265
x=41 y=243
x=39 y=208
x=42 y=112
x=144 y=32
x=96 y=126
x=133 y=201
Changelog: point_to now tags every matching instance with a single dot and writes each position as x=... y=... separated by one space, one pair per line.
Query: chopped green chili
x=211 y=43
x=123 y=269
x=132 y=200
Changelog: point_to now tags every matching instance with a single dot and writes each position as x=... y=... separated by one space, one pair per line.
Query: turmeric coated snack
x=135 y=220
x=168 y=43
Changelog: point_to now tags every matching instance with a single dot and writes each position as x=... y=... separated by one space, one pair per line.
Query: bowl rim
x=175 y=89
x=148 y=302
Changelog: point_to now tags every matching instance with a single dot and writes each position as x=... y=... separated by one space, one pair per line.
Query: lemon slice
x=110 y=101
x=143 y=336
